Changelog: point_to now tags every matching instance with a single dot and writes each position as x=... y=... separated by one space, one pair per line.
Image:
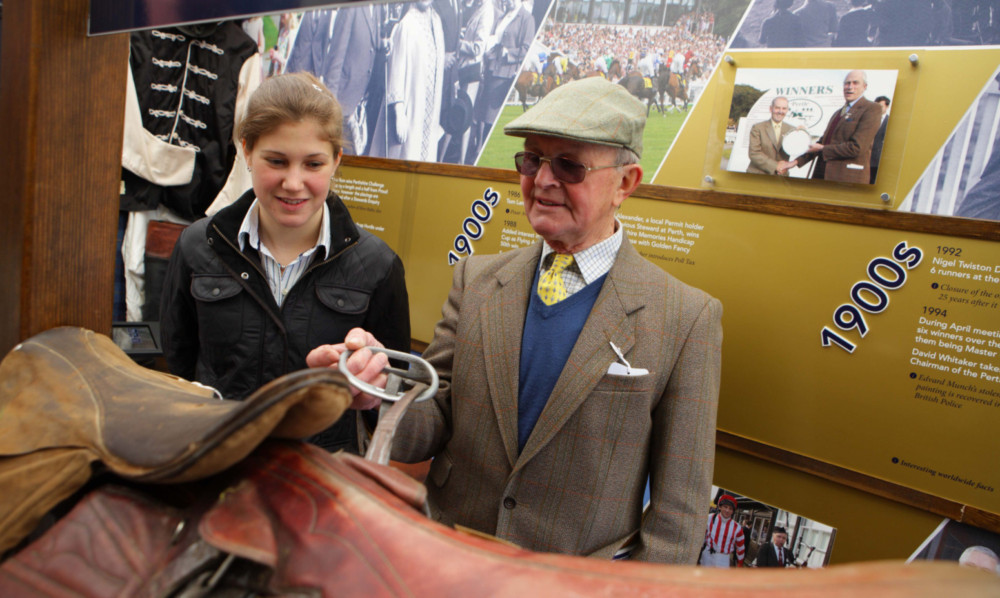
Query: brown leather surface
x=335 y=525
x=340 y=529
x=115 y=542
x=70 y=397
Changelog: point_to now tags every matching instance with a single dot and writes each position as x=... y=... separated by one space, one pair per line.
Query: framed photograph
x=771 y=536
x=823 y=124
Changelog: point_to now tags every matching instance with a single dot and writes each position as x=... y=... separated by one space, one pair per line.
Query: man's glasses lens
x=564 y=169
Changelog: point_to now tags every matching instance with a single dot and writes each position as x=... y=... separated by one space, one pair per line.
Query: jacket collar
x=343 y=231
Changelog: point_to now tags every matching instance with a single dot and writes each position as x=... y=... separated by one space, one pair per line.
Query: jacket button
x=340 y=303
x=216 y=291
x=244 y=276
x=509 y=503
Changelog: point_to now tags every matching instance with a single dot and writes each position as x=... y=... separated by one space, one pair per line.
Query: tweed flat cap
x=592 y=110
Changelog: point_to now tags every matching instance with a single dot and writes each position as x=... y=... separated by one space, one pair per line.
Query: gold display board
x=866 y=348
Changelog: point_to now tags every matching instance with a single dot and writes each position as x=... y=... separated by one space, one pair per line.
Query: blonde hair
x=288 y=98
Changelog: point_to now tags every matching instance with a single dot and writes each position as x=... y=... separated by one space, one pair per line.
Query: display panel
x=831 y=330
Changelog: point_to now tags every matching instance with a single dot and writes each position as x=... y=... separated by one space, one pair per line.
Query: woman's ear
x=246 y=153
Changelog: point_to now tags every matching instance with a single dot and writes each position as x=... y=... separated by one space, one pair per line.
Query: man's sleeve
x=525 y=33
x=741 y=548
x=339 y=45
x=861 y=138
x=427 y=425
x=682 y=448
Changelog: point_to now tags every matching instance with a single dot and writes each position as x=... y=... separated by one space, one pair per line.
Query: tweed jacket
x=846 y=157
x=577 y=487
x=765 y=150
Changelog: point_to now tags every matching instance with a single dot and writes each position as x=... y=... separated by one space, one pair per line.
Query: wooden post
x=62 y=98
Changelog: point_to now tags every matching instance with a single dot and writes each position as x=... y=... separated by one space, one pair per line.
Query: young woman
x=250 y=290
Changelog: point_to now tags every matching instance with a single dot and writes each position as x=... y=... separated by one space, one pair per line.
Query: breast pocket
x=616 y=384
x=220 y=309
x=338 y=309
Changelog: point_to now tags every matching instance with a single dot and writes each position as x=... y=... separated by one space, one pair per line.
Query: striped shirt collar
x=594 y=261
x=250 y=231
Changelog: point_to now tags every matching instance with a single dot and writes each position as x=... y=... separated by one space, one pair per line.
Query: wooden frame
x=62 y=99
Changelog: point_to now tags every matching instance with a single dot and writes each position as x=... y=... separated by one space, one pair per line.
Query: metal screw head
x=885 y=197
x=913 y=58
x=709 y=180
x=729 y=59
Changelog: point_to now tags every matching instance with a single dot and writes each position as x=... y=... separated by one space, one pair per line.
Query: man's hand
x=363 y=364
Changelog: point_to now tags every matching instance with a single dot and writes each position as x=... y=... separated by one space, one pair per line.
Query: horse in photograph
x=564 y=72
x=672 y=86
x=646 y=89
x=615 y=72
x=530 y=84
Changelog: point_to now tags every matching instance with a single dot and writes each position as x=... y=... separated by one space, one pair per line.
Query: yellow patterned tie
x=551 y=288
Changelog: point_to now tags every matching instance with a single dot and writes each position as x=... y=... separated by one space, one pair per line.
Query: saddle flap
x=33 y=485
x=289 y=499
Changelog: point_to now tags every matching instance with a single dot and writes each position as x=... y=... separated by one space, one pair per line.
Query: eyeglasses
x=564 y=169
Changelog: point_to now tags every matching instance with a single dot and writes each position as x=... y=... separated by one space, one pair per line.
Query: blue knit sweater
x=550 y=331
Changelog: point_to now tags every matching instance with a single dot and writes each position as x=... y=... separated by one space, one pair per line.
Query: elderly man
x=844 y=151
x=765 y=140
x=574 y=370
x=775 y=553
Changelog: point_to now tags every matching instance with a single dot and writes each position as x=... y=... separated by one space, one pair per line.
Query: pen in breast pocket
x=618 y=352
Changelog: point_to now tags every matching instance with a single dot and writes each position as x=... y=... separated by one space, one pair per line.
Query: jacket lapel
x=503 y=322
x=609 y=321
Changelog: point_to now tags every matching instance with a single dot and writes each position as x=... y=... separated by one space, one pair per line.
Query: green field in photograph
x=660 y=132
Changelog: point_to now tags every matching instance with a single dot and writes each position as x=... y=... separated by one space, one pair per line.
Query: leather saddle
x=73 y=404
x=188 y=513
x=298 y=521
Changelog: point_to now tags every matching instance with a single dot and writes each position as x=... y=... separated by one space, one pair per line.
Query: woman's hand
x=364 y=364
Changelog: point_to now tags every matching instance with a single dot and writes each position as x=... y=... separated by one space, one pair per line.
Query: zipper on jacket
x=267 y=308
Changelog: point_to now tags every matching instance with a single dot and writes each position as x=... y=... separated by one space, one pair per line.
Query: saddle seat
x=73 y=404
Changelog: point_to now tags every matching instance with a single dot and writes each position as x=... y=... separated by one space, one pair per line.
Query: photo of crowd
x=431 y=80
x=419 y=80
x=664 y=66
